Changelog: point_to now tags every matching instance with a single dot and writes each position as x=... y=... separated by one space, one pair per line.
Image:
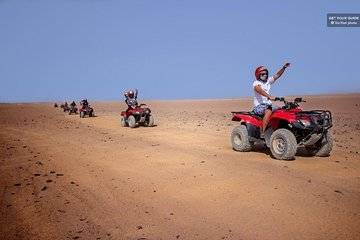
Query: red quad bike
x=288 y=128
x=86 y=110
x=140 y=115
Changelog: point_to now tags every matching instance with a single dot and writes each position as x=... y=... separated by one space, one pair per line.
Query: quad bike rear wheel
x=123 y=121
x=323 y=147
x=240 y=139
x=92 y=114
x=131 y=121
x=283 y=144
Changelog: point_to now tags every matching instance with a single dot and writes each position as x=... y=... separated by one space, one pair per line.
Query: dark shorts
x=260 y=109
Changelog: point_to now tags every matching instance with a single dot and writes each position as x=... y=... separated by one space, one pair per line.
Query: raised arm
x=281 y=71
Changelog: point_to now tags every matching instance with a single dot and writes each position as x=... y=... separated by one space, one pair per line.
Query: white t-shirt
x=258 y=98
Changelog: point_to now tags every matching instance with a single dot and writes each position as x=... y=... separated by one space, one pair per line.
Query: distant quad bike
x=72 y=109
x=66 y=108
x=86 y=110
x=288 y=128
x=139 y=116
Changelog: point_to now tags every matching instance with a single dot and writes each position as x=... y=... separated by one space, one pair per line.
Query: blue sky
x=72 y=49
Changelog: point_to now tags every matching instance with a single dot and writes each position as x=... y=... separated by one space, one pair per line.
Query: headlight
x=305 y=123
x=137 y=112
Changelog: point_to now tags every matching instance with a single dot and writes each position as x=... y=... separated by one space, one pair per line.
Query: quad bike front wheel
x=82 y=114
x=323 y=147
x=240 y=139
x=150 y=122
x=283 y=144
x=131 y=121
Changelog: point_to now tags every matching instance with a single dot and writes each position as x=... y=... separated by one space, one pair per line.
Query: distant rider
x=261 y=86
x=131 y=99
x=84 y=103
x=73 y=104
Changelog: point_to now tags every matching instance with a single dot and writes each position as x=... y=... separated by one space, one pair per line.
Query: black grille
x=321 y=118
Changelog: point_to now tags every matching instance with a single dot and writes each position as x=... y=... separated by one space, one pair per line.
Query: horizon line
x=187 y=99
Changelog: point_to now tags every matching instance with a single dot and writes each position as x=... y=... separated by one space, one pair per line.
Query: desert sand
x=63 y=177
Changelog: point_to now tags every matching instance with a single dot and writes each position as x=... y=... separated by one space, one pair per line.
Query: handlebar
x=282 y=99
x=299 y=99
x=289 y=104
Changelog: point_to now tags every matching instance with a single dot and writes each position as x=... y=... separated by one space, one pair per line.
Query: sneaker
x=262 y=135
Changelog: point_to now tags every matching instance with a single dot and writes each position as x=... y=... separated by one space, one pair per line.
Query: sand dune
x=63 y=177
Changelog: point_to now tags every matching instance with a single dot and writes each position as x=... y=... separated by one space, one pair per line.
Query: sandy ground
x=63 y=177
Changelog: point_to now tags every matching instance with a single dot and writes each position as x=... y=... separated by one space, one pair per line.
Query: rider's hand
x=287 y=65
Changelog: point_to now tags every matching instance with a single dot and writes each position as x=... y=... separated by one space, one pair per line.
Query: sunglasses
x=263 y=74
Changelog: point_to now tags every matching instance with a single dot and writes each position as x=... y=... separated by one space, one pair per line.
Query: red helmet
x=258 y=70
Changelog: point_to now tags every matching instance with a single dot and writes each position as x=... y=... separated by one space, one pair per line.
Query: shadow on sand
x=262 y=148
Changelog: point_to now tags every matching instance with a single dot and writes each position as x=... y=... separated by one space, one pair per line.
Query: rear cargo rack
x=251 y=113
